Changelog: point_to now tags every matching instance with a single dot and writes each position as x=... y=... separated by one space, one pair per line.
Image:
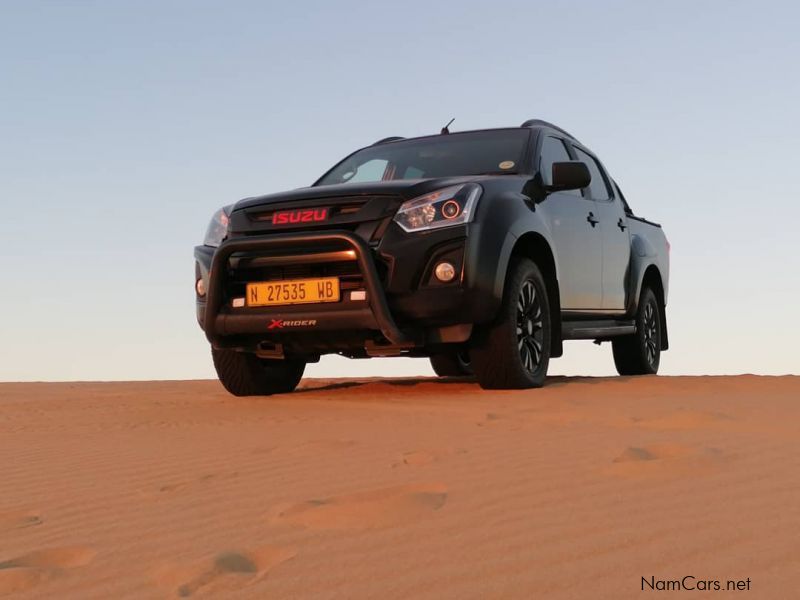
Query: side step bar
x=591 y=330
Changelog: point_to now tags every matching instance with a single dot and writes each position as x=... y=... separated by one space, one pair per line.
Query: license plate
x=293 y=291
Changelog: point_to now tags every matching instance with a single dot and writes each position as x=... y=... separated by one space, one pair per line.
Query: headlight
x=218 y=228
x=449 y=206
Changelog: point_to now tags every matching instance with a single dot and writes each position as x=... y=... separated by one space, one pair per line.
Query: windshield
x=473 y=153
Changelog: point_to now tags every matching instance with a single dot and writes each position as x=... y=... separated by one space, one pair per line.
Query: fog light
x=200 y=287
x=445 y=271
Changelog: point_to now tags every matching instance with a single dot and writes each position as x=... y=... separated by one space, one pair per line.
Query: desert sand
x=410 y=488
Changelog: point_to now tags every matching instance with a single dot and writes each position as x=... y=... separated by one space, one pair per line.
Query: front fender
x=491 y=240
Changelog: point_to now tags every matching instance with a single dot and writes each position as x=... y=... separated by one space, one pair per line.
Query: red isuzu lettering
x=308 y=215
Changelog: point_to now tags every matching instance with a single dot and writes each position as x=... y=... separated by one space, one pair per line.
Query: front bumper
x=403 y=305
x=375 y=315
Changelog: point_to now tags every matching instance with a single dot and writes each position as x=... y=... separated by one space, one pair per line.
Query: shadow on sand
x=444 y=382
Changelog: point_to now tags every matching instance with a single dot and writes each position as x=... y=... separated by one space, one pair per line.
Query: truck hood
x=404 y=188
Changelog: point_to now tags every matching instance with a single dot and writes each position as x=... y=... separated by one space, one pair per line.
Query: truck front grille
x=366 y=216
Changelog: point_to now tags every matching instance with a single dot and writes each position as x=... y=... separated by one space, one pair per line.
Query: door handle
x=621 y=225
x=591 y=218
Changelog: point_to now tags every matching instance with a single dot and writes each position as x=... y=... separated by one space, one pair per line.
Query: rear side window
x=598 y=188
x=553 y=151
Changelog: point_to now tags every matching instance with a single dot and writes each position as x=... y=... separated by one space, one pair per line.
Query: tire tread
x=629 y=356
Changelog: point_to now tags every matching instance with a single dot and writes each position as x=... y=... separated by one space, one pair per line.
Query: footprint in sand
x=684 y=419
x=19 y=519
x=419 y=458
x=374 y=509
x=311 y=446
x=327 y=445
x=224 y=572
x=666 y=460
x=489 y=419
x=505 y=421
x=186 y=484
x=25 y=571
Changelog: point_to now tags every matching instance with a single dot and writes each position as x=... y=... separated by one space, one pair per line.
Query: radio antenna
x=445 y=129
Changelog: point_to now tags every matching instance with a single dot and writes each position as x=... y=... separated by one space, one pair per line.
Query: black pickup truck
x=483 y=250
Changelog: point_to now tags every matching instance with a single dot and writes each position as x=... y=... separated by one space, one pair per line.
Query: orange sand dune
x=411 y=488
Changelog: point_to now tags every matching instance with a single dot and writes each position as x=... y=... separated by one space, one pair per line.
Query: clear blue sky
x=124 y=125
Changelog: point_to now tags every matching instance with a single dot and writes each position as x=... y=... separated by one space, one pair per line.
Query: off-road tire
x=514 y=351
x=451 y=364
x=244 y=374
x=640 y=353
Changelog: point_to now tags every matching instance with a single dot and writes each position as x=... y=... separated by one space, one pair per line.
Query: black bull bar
x=375 y=295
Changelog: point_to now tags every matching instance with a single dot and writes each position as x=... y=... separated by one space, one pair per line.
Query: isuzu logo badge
x=305 y=215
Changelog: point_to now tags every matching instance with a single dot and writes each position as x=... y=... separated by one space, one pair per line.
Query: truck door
x=614 y=231
x=574 y=223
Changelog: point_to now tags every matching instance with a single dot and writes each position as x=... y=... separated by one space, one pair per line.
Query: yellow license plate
x=293 y=291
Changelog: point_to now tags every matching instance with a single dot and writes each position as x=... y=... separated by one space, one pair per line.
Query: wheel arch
x=535 y=247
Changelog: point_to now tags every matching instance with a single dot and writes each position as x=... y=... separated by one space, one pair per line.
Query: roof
x=530 y=124
x=539 y=123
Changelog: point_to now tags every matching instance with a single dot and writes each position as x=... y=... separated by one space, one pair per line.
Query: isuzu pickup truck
x=482 y=250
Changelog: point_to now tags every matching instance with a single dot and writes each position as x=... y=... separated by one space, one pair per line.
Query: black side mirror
x=572 y=175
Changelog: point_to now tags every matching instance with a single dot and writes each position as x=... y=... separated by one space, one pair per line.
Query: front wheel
x=244 y=374
x=640 y=353
x=514 y=351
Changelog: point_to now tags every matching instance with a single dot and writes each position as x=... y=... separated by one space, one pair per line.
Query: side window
x=598 y=188
x=553 y=151
x=413 y=173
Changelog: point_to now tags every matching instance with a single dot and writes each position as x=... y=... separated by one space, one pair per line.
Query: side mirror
x=572 y=175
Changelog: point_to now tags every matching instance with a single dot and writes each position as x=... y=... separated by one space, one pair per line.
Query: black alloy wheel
x=530 y=335
x=650 y=332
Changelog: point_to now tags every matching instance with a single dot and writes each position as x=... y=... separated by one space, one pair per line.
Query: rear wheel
x=451 y=364
x=514 y=351
x=244 y=374
x=640 y=353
